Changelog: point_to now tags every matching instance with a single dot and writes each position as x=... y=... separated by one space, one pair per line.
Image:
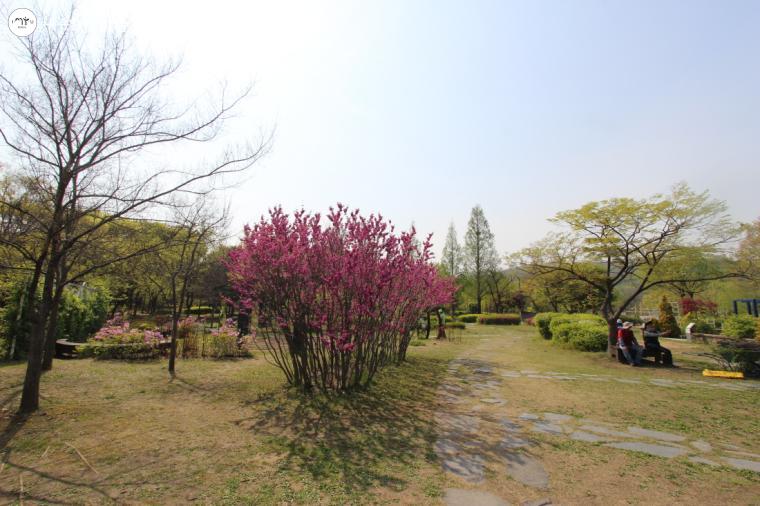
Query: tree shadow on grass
x=364 y=438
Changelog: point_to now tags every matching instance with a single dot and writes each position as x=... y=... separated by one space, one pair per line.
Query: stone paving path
x=470 y=397
x=737 y=385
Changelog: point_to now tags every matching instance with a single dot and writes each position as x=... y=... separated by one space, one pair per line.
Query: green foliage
x=124 y=351
x=583 y=335
x=80 y=317
x=543 y=320
x=701 y=324
x=667 y=319
x=210 y=345
x=468 y=318
x=499 y=319
x=733 y=355
x=561 y=319
x=456 y=325
x=14 y=324
x=743 y=326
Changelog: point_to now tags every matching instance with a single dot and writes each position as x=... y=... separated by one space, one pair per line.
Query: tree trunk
x=52 y=330
x=612 y=337
x=173 y=346
x=30 y=396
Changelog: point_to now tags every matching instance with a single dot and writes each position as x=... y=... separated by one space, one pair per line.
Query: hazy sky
x=420 y=110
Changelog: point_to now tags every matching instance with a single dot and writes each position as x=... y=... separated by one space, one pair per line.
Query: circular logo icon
x=22 y=22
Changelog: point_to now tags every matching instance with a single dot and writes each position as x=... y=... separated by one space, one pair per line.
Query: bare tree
x=195 y=231
x=76 y=121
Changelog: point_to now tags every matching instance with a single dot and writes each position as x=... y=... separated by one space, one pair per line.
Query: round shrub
x=499 y=319
x=562 y=318
x=743 y=326
x=456 y=325
x=468 y=318
x=583 y=335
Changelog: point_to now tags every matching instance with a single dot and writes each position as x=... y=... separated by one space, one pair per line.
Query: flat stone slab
x=702 y=460
x=547 y=428
x=606 y=431
x=537 y=502
x=509 y=425
x=491 y=400
x=483 y=370
x=588 y=437
x=656 y=434
x=753 y=456
x=510 y=374
x=462 y=423
x=750 y=465
x=557 y=418
x=528 y=416
x=702 y=446
x=446 y=446
x=511 y=442
x=651 y=449
x=467 y=467
x=527 y=470
x=462 y=497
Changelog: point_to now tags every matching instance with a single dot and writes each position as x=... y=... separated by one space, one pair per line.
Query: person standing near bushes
x=628 y=344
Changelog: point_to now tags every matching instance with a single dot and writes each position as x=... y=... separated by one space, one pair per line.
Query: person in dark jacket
x=652 y=344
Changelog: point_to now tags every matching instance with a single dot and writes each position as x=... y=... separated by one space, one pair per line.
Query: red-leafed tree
x=334 y=301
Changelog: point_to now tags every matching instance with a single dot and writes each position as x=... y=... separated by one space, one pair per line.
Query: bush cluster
x=455 y=325
x=581 y=331
x=702 y=325
x=542 y=320
x=743 y=326
x=468 y=318
x=499 y=319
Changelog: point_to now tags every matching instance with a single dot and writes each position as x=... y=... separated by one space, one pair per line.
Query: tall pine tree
x=479 y=252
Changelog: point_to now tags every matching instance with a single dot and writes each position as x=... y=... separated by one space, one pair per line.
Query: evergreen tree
x=451 y=258
x=667 y=319
x=480 y=252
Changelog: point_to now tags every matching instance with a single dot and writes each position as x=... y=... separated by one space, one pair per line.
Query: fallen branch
x=46 y=451
x=21 y=490
x=83 y=458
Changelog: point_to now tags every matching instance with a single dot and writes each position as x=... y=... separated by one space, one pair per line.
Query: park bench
x=66 y=349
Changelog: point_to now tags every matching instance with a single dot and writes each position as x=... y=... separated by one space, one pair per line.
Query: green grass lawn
x=231 y=432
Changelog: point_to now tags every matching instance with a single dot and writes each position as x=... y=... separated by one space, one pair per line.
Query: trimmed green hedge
x=542 y=321
x=581 y=331
x=563 y=318
x=455 y=325
x=468 y=318
x=499 y=319
x=743 y=326
x=583 y=335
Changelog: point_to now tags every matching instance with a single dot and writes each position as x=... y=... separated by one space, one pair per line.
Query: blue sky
x=420 y=110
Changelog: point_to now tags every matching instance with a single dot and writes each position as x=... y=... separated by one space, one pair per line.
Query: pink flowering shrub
x=334 y=301
x=117 y=340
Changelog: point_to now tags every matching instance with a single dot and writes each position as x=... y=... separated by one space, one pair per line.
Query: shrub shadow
x=368 y=437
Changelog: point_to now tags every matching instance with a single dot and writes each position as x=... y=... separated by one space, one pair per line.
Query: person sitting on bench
x=628 y=344
x=652 y=344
